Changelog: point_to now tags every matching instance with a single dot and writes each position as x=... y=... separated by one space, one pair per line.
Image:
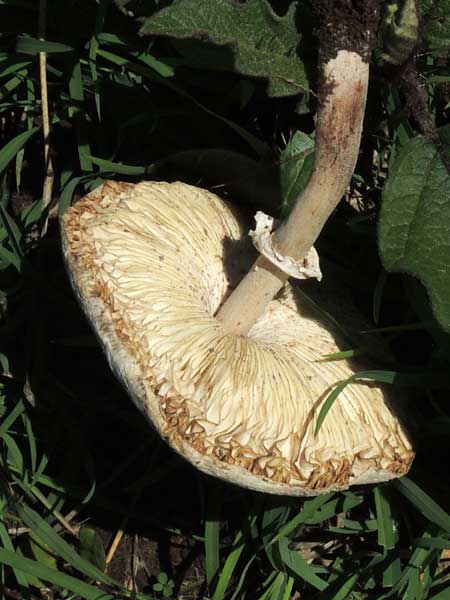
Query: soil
x=347 y=25
x=138 y=559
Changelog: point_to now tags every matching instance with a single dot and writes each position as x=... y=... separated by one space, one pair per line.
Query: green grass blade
x=31 y=215
x=13 y=65
x=378 y=295
x=229 y=567
x=31 y=441
x=10 y=258
x=67 y=194
x=439 y=543
x=380 y=376
x=212 y=532
x=343 y=355
x=59 y=546
x=344 y=591
x=296 y=565
x=288 y=588
x=326 y=406
x=434 y=380
x=309 y=509
x=13 y=83
x=387 y=527
x=114 y=167
x=274 y=587
x=93 y=49
x=14 y=454
x=76 y=90
x=442 y=595
x=423 y=502
x=62 y=580
x=14 y=234
x=29 y=45
x=6 y=424
x=9 y=151
x=7 y=544
x=160 y=67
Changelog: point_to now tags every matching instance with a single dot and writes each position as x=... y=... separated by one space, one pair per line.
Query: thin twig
x=59 y=517
x=16 y=531
x=49 y=174
x=116 y=541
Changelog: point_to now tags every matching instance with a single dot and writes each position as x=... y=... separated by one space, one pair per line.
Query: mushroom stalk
x=338 y=135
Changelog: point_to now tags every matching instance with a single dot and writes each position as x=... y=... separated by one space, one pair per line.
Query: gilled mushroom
x=236 y=386
x=149 y=263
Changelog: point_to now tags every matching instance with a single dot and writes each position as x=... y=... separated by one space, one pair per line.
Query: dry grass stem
x=49 y=174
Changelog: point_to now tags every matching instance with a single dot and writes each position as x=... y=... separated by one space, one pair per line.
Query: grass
x=78 y=465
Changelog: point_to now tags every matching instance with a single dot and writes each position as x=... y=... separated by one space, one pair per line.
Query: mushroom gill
x=151 y=264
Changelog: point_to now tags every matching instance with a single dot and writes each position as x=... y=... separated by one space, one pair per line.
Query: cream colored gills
x=243 y=408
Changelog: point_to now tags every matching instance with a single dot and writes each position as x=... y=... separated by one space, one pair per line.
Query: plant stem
x=49 y=174
x=338 y=135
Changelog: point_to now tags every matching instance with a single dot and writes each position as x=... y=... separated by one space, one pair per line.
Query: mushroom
x=228 y=371
x=152 y=264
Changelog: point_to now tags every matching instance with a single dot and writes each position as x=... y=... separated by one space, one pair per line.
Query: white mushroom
x=152 y=264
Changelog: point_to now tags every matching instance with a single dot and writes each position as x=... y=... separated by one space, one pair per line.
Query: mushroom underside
x=151 y=264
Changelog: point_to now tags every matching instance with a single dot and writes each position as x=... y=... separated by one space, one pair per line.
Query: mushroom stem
x=338 y=135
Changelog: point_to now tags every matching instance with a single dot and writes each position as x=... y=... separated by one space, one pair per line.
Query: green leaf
x=298 y=566
x=387 y=536
x=8 y=421
x=436 y=28
x=91 y=547
x=31 y=567
x=414 y=228
x=443 y=595
x=160 y=67
x=114 y=167
x=13 y=65
x=296 y=162
x=261 y=43
x=31 y=214
x=310 y=508
x=68 y=191
x=422 y=501
x=8 y=152
x=163 y=578
x=344 y=591
x=79 y=116
x=419 y=379
x=380 y=376
x=433 y=542
x=10 y=258
x=14 y=234
x=10 y=85
x=7 y=544
x=58 y=545
x=29 y=45
x=387 y=527
x=41 y=552
x=228 y=569
x=212 y=532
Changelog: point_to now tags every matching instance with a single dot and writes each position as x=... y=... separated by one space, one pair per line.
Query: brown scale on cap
x=241 y=408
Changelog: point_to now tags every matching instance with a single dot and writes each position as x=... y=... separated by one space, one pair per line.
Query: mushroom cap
x=151 y=264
